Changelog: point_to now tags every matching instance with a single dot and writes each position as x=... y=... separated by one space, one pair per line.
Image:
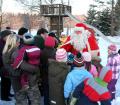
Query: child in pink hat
x=90 y=67
x=112 y=49
x=113 y=62
x=61 y=55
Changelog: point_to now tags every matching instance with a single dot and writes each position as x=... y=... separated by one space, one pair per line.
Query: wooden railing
x=55 y=9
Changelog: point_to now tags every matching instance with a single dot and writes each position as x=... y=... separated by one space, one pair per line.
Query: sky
x=79 y=7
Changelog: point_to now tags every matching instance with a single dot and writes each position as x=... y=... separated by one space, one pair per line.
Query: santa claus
x=82 y=40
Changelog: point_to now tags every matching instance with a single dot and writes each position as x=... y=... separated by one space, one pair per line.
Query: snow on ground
x=103 y=44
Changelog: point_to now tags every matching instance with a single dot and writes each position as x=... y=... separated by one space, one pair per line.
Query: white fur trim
x=79 y=29
x=94 y=53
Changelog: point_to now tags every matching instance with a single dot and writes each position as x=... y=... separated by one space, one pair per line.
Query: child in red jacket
x=93 y=90
x=29 y=53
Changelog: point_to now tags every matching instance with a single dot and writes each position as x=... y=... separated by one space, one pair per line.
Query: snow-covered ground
x=103 y=44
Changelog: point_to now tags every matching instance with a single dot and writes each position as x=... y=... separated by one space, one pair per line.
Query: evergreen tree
x=101 y=16
x=91 y=19
x=117 y=17
x=104 y=21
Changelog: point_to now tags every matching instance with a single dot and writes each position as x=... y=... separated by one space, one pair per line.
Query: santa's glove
x=73 y=101
x=66 y=101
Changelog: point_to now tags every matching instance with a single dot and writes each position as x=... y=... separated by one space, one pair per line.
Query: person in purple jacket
x=29 y=53
x=113 y=63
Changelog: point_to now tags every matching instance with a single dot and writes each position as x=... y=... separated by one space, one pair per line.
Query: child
x=30 y=53
x=113 y=63
x=58 y=70
x=76 y=76
x=92 y=90
x=70 y=58
x=90 y=67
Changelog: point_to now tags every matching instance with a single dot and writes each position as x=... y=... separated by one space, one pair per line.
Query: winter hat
x=28 y=38
x=22 y=31
x=80 y=27
x=78 y=60
x=70 y=58
x=5 y=33
x=112 y=47
x=61 y=55
x=105 y=74
x=87 y=56
x=49 y=41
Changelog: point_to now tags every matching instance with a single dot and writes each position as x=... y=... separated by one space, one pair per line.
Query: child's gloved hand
x=73 y=101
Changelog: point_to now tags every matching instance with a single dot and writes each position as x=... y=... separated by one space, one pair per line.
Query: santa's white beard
x=79 y=41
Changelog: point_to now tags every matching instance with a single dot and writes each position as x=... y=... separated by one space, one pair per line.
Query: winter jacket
x=39 y=41
x=114 y=64
x=47 y=53
x=57 y=74
x=15 y=74
x=32 y=56
x=84 y=100
x=93 y=71
x=2 y=43
x=3 y=71
x=76 y=76
x=93 y=90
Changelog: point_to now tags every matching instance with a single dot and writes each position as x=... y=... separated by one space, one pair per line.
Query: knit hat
x=87 y=56
x=105 y=74
x=49 y=41
x=78 y=60
x=22 y=31
x=70 y=58
x=28 y=38
x=5 y=33
x=61 y=55
x=112 y=47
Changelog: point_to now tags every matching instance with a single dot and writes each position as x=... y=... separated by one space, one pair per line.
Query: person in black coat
x=47 y=53
x=5 y=80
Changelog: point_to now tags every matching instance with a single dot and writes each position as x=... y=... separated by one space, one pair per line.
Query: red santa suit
x=82 y=40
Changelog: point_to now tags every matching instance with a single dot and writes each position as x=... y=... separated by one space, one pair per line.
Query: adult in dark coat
x=9 y=54
x=47 y=52
x=5 y=80
x=57 y=75
x=58 y=70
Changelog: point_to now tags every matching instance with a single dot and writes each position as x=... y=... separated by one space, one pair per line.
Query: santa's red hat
x=80 y=27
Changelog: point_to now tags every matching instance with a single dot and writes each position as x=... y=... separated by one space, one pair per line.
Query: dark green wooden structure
x=55 y=12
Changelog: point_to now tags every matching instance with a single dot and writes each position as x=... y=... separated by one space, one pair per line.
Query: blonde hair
x=11 y=41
